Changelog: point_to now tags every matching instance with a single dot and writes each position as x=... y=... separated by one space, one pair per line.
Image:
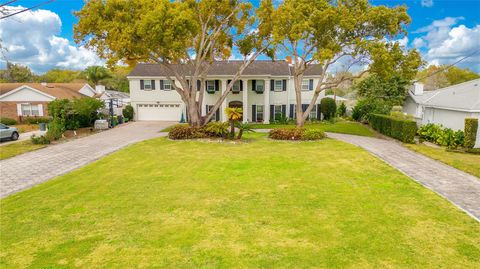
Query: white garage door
x=166 y=112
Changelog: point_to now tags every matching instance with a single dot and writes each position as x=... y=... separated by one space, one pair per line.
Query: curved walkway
x=32 y=168
x=460 y=188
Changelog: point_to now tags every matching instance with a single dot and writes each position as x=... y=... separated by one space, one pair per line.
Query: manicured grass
x=14 y=149
x=467 y=162
x=192 y=204
x=340 y=126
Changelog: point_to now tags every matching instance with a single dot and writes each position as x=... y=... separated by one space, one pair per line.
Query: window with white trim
x=236 y=86
x=167 y=85
x=210 y=85
x=260 y=85
x=305 y=85
x=278 y=85
x=313 y=113
x=147 y=84
x=277 y=112
x=30 y=110
x=259 y=113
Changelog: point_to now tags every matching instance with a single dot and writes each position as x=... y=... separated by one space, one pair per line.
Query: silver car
x=7 y=132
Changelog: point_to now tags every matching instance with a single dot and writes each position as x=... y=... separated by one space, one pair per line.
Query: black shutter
x=254 y=113
x=171 y=86
x=142 y=85
x=217 y=85
x=206 y=85
x=284 y=85
x=188 y=84
x=241 y=85
x=284 y=110
x=254 y=84
x=199 y=84
x=319 y=114
x=217 y=115
x=153 y=84
x=272 y=85
x=310 y=85
x=272 y=112
x=292 y=111
x=161 y=85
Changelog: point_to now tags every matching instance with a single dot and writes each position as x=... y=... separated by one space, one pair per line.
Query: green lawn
x=193 y=204
x=13 y=149
x=467 y=162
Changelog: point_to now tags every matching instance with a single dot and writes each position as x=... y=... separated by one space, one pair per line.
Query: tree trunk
x=194 y=118
x=240 y=133
x=232 y=129
x=297 y=81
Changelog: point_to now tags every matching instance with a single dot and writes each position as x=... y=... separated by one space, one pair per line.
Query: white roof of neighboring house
x=109 y=94
x=338 y=98
x=463 y=97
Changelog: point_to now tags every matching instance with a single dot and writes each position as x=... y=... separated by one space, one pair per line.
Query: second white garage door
x=166 y=112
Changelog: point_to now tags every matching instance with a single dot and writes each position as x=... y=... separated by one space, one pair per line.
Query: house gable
x=26 y=94
x=87 y=90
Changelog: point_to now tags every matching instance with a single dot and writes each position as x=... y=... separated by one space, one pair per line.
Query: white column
x=223 y=116
x=245 y=100
x=266 y=102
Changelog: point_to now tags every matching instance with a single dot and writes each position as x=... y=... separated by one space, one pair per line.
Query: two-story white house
x=265 y=91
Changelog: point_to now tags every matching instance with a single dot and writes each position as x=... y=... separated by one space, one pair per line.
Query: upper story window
x=210 y=85
x=313 y=113
x=278 y=85
x=259 y=85
x=147 y=84
x=305 y=85
x=167 y=85
x=236 y=86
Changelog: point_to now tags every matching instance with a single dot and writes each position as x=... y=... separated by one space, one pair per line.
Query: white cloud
x=32 y=39
x=427 y=3
x=444 y=42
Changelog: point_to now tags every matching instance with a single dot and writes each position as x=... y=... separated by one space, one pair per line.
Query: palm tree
x=95 y=74
x=233 y=114
x=243 y=128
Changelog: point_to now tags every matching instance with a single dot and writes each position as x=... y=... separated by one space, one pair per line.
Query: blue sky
x=443 y=30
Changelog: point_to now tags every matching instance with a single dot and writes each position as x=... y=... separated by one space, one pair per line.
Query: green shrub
x=8 y=121
x=313 y=134
x=217 y=129
x=85 y=111
x=296 y=134
x=446 y=137
x=403 y=130
x=281 y=119
x=35 y=120
x=128 y=112
x=55 y=129
x=42 y=140
x=342 y=110
x=471 y=128
x=328 y=107
x=365 y=107
x=182 y=131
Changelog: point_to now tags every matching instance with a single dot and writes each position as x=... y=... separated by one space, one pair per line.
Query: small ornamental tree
x=351 y=33
x=234 y=114
x=328 y=107
x=188 y=35
x=471 y=128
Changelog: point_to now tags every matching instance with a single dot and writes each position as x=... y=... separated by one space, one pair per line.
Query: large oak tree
x=189 y=33
x=330 y=32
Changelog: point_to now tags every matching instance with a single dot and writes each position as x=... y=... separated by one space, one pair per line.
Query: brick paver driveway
x=462 y=189
x=29 y=169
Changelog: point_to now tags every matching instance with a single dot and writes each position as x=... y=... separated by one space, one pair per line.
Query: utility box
x=101 y=125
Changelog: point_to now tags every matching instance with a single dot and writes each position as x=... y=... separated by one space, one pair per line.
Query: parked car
x=7 y=132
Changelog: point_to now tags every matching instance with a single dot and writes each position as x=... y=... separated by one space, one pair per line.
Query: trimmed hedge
x=8 y=121
x=401 y=129
x=471 y=127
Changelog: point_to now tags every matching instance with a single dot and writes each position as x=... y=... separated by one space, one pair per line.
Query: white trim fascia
x=452 y=108
x=26 y=86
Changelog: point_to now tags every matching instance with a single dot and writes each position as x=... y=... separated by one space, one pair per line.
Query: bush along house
x=265 y=91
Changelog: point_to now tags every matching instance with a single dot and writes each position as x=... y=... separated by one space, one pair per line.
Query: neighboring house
x=19 y=100
x=448 y=106
x=265 y=91
x=118 y=99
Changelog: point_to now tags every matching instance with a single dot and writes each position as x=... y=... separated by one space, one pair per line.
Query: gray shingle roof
x=464 y=96
x=222 y=68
